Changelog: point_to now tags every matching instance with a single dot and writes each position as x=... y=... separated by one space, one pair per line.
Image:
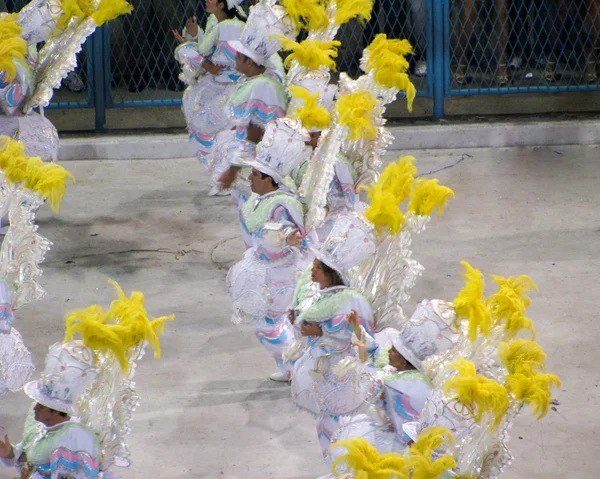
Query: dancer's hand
x=311 y=329
x=6 y=449
x=291 y=316
x=227 y=178
x=191 y=26
x=178 y=36
x=295 y=239
x=362 y=350
x=352 y=318
x=211 y=68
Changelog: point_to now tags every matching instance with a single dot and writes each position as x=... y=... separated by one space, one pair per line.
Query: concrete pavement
x=208 y=409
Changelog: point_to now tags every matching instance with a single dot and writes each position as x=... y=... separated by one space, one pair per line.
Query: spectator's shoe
x=74 y=83
x=515 y=63
x=280 y=377
x=549 y=72
x=421 y=68
x=590 y=72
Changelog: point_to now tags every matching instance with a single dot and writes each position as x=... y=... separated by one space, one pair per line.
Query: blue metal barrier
x=462 y=47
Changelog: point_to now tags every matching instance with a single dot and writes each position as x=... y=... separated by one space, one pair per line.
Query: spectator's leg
x=593 y=18
x=418 y=13
x=501 y=29
x=468 y=17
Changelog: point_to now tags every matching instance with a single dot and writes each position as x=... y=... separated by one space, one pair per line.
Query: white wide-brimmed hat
x=259 y=38
x=68 y=372
x=428 y=332
x=349 y=243
x=282 y=149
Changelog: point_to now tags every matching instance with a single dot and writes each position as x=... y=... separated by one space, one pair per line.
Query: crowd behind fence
x=489 y=46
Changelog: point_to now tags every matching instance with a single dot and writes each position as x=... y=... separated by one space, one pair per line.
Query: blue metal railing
x=469 y=47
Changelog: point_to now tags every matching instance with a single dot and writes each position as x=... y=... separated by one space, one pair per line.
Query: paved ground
x=208 y=410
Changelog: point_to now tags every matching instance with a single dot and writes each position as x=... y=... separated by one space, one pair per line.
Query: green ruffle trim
x=411 y=375
x=329 y=305
x=256 y=216
x=302 y=283
x=244 y=92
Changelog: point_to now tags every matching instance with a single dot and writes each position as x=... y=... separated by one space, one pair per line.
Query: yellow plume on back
x=348 y=9
x=516 y=287
x=12 y=46
x=366 y=462
x=428 y=195
x=311 y=54
x=46 y=179
x=386 y=58
x=307 y=14
x=107 y=10
x=419 y=461
x=312 y=115
x=391 y=189
x=469 y=303
x=533 y=390
x=522 y=356
x=118 y=331
x=357 y=111
x=479 y=394
x=430 y=440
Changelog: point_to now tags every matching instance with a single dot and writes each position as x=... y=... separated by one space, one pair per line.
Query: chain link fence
x=481 y=47
x=523 y=45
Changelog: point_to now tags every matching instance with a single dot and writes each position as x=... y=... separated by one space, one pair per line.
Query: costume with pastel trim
x=28 y=77
x=93 y=387
x=205 y=99
x=263 y=282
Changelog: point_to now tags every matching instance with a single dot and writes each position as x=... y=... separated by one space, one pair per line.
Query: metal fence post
x=439 y=8
x=98 y=55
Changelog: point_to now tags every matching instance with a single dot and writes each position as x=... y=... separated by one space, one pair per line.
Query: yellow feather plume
x=12 y=46
x=428 y=195
x=391 y=189
x=469 y=303
x=349 y=9
x=422 y=467
x=109 y=10
x=479 y=394
x=386 y=59
x=357 y=111
x=312 y=115
x=430 y=440
x=46 y=179
x=311 y=54
x=118 y=331
x=533 y=390
x=516 y=287
x=307 y=14
x=366 y=462
x=522 y=356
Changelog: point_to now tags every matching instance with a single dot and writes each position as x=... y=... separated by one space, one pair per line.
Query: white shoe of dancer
x=280 y=377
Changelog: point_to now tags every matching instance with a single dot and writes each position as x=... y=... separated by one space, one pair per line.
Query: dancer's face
x=212 y=6
x=47 y=416
x=260 y=185
x=314 y=139
x=398 y=361
x=317 y=273
x=241 y=63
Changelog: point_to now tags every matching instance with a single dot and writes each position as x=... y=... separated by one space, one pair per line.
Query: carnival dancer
x=261 y=97
x=327 y=315
x=84 y=399
x=208 y=67
x=262 y=283
x=28 y=76
x=26 y=184
x=312 y=89
x=400 y=368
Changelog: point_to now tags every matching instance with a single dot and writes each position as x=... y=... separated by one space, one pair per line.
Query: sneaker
x=74 y=82
x=421 y=68
x=214 y=191
x=515 y=63
x=280 y=377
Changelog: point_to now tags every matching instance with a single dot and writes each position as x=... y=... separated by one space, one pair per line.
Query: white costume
x=37 y=74
x=205 y=99
x=92 y=389
x=263 y=282
x=321 y=384
x=261 y=98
